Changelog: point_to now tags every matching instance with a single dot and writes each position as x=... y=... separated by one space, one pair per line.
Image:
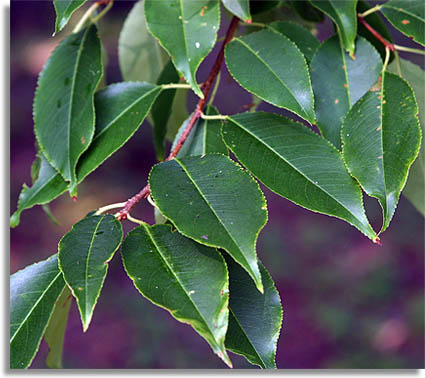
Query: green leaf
x=48 y=185
x=213 y=201
x=343 y=14
x=408 y=16
x=297 y=164
x=298 y=34
x=240 y=8
x=120 y=110
x=187 y=30
x=141 y=58
x=84 y=253
x=339 y=82
x=283 y=85
x=415 y=186
x=64 y=10
x=185 y=278
x=55 y=331
x=63 y=103
x=307 y=11
x=381 y=139
x=178 y=113
x=33 y=293
x=255 y=319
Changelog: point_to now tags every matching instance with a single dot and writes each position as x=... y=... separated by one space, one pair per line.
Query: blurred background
x=348 y=303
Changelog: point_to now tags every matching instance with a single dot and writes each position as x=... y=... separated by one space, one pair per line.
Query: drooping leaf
x=381 y=139
x=187 y=30
x=63 y=103
x=255 y=319
x=120 y=110
x=307 y=11
x=343 y=14
x=415 y=186
x=240 y=8
x=408 y=16
x=255 y=61
x=297 y=164
x=33 y=293
x=161 y=264
x=141 y=58
x=64 y=10
x=55 y=331
x=298 y=34
x=48 y=185
x=213 y=201
x=84 y=253
x=340 y=81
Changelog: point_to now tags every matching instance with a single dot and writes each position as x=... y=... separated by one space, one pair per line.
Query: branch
x=206 y=88
x=375 y=33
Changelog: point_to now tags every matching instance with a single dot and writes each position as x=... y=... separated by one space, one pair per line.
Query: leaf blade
x=239 y=8
x=64 y=10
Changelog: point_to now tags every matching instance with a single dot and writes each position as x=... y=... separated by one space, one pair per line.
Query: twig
x=409 y=49
x=375 y=33
x=370 y=11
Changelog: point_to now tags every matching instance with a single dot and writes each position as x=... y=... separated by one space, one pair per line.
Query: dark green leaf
x=63 y=103
x=343 y=13
x=55 y=331
x=33 y=293
x=185 y=278
x=258 y=7
x=408 y=16
x=255 y=319
x=84 y=253
x=298 y=34
x=255 y=61
x=187 y=30
x=213 y=201
x=307 y=11
x=297 y=164
x=141 y=58
x=381 y=139
x=339 y=82
x=178 y=113
x=240 y=8
x=64 y=10
x=120 y=110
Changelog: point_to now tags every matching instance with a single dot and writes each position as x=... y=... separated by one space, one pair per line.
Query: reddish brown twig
x=206 y=88
x=376 y=34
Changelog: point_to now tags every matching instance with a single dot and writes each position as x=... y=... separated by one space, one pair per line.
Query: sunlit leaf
x=240 y=8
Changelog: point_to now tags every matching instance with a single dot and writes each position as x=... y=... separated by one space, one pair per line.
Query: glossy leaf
x=55 y=331
x=223 y=206
x=408 y=16
x=339 y=82
x=415 y=186
x=33 y=293
x=63 y=103
x=343 y=14
x=64 y=10
x=84 y=253
x=141 y=58
x=240 y=8
x=187 y=279
x=381 y=139
x=298 y=34
x=255 y=319
x=255 y=61
x=120 y=110
x=187 y=30
x=297 y=164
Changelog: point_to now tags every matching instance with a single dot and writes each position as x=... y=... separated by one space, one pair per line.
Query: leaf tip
x=14 y=219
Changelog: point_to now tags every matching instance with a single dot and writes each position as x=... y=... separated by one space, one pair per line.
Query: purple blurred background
x=347 y=302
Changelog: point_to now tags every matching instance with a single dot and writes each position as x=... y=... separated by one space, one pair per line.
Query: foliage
x=202 y=264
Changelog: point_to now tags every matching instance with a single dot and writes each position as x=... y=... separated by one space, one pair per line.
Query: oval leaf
x=83 y=256
x=160 y=263
x=223 y=206
x=343 y=14
x=240 y=8
x=33 y=293
x=63 y=102
x=339 y=82
x=284 y=85
x=297 y=164
x=187 y=30
x=64 y=10
x=381 y=139
x=408 y=16
x=255 y=319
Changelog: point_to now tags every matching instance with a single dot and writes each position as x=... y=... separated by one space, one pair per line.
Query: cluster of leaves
x=202 y=265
